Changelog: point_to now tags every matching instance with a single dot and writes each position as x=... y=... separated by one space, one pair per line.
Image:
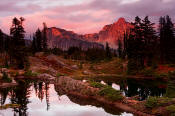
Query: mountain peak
x=111 y=33
x=121 y=20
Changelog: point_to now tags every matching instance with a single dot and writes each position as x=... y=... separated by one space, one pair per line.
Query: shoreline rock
x=81 y=89
x=5 y=85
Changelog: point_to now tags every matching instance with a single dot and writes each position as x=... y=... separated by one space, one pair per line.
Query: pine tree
x=120 y=49
x=108 y=52
x=150 y=40
x=1 y=42
x=37 y=43
x=135 y=45
x=34 y=44
x=167 y=39
x=17 y=50
x=45 y=46
x=162 y=39
x=125 y=43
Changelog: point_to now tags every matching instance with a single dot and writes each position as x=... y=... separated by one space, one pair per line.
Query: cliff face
x=63 y=39
x=110 y=33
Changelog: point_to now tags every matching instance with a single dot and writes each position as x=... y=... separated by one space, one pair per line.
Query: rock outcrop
x=70 y=85
x=66 y=85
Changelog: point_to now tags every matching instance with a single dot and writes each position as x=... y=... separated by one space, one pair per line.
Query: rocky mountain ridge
x=60 y=38
x=110 y=33
x=64 y=39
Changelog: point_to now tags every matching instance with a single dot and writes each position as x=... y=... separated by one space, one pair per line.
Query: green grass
x=151 y=102
x=170 y=91
x=59 y=74
x=164 y=100
x=171 y=109
x=111 y=94
x=29 y=73
x=96 y=84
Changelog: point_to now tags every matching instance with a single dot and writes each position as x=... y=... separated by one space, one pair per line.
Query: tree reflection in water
x=20 y=95
x=142 y=88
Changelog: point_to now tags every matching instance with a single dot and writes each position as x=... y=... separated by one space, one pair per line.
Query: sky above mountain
x=81 y=16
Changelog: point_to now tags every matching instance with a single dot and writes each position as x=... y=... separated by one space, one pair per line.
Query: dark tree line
x=144 y=47
x=91 y=54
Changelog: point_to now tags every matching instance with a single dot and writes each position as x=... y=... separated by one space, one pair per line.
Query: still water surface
x=43 y=99
x=141 y=88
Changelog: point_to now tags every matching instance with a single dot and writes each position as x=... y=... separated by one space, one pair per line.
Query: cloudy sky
x=81 y=16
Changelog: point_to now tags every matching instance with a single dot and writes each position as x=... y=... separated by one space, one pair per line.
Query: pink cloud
x=83 y=18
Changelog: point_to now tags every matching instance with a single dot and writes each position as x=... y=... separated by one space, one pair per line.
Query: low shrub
x=171 y=109
x=149 y=72
x=151 y=102
x=162 y=75
x=59 y=74
x=5 y=78
x=131 y=67
x=30 y=73
x=97 y=84
x=164 y=101
x=111 y=94
x=170 y=91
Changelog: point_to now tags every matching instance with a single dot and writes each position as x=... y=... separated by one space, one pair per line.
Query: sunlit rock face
x=60 y=38
x=63 y=39
x=110 y=33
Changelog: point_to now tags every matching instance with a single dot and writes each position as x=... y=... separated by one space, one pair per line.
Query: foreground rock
x=5 y=85
x=39 y=54
x=69 y=86
x=55 y=60
x=46 y=77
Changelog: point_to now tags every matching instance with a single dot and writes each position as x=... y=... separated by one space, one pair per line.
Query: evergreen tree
x=17 y=50
x=125 y=43
x=167 y=39
x=108 y=52
x=34 y=44
x=1 y=42
x=150 y=40
x=162 y=38
x=37 y=43
x=45 y=46
x=120 y=50
x=135 y=46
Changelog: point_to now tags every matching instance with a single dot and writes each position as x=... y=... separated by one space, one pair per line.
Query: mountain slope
x=110 y=33
x=63 y=39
